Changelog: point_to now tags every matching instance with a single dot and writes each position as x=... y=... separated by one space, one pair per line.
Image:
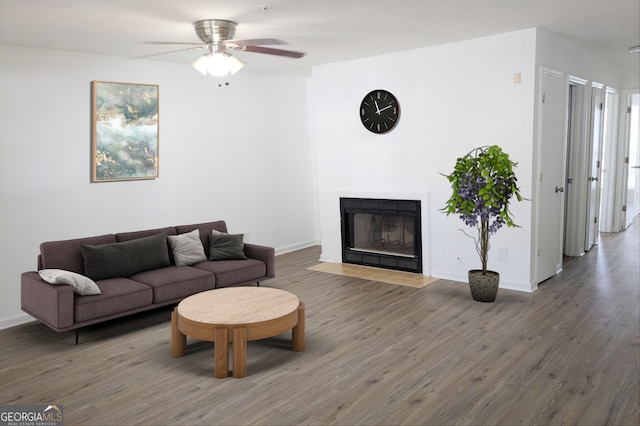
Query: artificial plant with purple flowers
x=483 y=184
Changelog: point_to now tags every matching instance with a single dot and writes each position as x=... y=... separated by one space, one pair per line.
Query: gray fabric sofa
x=62 y=309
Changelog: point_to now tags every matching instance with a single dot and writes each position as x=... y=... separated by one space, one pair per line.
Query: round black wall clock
x=379 y=111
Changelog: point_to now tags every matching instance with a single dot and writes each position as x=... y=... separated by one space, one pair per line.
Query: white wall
x=453 y=98
x=564 y=55
x=239 y=153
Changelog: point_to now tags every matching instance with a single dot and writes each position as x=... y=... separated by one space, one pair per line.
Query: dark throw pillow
x=126 y=258
x=226 y=247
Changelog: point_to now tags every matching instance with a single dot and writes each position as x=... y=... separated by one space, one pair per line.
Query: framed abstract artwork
x=125 y=131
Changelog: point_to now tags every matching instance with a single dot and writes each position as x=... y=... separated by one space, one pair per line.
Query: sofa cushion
x=125 y=258
x=118 y=295
x=187 y=248
x=84 y=286
x=205 y=230
x=176 y=282
x=226 y=247
x=67 y=254
x=235 y=272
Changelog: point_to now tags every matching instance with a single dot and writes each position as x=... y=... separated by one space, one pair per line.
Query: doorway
x=585 y=139
x=577 y=122
x=609 y=213
x=621 y=185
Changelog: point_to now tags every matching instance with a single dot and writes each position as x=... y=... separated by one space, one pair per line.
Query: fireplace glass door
x=382 y=233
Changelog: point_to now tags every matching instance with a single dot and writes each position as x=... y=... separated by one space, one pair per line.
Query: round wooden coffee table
x=236 y=315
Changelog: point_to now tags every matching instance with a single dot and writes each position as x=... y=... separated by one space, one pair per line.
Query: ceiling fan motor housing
x=215 y=31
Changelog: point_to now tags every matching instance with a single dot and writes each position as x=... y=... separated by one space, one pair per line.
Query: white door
x=595 y=159
x=608 y=209
x=632 y=159
x=551 y=169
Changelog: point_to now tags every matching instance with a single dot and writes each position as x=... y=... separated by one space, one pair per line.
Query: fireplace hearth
x=382 y=233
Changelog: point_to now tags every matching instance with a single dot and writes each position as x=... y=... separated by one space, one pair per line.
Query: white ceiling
x=327 y=30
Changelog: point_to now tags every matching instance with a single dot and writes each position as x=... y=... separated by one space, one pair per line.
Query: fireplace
x=382 y=233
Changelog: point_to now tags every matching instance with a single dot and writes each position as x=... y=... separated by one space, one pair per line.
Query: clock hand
x=380 y=110
x=377 y=107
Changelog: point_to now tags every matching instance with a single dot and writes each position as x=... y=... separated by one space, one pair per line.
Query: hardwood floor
x=375 y=353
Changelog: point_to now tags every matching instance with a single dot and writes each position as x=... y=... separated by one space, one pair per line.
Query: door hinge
x=601 y=106
x=626 y=160
x=543 y=97
x=598 y=164
x=595 y=219
x=628 y=110
x=624 y=208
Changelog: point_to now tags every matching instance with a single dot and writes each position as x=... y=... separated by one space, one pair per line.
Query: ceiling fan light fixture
x=218 y=66
x=202 y=64
x=634 y=49
x=235 y=64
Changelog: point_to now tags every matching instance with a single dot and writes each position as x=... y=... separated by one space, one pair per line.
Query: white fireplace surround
x=332 y=250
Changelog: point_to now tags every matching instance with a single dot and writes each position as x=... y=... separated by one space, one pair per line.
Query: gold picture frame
x=125 y=127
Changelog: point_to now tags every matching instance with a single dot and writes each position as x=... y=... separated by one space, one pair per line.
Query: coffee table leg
x=221 y=353
x=239 y=352
x=297 y=333
x=178 y=339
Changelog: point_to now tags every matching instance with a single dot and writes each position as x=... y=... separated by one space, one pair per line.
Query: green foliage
x=483 y=183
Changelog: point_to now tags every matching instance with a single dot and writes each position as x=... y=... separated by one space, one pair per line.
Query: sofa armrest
x=51 y=304
x=263 y=253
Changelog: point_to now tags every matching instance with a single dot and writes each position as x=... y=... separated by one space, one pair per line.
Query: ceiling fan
x=217 y=36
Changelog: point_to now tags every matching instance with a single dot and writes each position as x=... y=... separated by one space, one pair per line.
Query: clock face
x=379 y=111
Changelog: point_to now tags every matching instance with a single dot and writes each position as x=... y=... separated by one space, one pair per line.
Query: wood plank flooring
x=375 y=353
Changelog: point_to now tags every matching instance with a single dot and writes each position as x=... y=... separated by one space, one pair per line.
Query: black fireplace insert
x=382 y=233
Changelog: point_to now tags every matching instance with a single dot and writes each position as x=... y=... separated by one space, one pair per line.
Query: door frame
x=594 y=148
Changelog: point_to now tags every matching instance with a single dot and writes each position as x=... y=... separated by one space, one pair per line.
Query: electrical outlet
x=503 y=255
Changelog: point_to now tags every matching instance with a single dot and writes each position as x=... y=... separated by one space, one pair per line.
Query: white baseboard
x=507 y=285
x=297 y=246
x=13 y=321
x=329 y=259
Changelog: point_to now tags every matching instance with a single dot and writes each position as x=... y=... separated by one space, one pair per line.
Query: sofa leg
x=258 y=283
x=77 y=335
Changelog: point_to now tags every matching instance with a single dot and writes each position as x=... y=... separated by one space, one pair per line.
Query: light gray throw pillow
x=82 y=285
x=187 y=248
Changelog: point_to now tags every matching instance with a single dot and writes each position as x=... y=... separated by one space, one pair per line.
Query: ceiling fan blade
x=172 y=42
x=255 y=41
x=271 y=51
x=189 y=49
